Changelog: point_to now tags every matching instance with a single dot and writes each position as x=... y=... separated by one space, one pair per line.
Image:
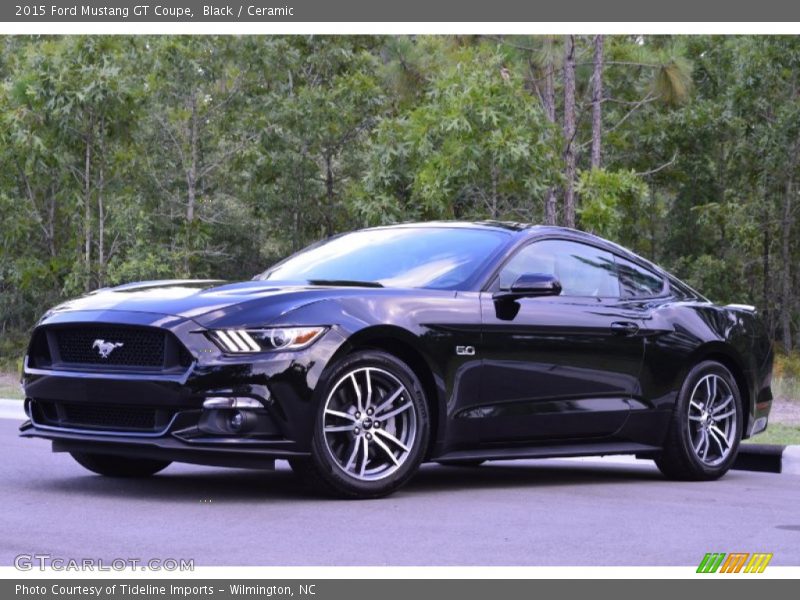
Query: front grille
x=125 y=346
x=101 y=416
x=118 y=417
x=107 y=347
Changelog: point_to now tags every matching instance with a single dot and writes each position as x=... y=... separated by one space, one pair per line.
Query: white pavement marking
x=11 y=409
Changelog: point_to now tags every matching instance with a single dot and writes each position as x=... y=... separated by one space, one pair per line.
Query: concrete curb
x=764 y=458
x=767 y=458
x=791 y=460
x=12 y=409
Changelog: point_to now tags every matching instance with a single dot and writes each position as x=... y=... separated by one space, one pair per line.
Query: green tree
x=476 y=146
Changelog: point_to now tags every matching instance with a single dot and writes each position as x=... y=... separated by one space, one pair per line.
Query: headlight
x=241 y=341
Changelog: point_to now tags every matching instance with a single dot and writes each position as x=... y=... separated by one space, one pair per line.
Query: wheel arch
x=730 y=359
x=402 y=344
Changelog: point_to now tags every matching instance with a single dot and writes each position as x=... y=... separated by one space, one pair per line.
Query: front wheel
x=706 y=426
x=371 y=429
x=119 y=466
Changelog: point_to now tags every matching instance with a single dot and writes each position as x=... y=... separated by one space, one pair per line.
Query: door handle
x=624 y=328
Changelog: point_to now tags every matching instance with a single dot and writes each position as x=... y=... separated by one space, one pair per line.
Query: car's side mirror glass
x=531 y=285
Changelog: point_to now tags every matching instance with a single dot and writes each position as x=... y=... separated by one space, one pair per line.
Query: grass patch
x=777 y=433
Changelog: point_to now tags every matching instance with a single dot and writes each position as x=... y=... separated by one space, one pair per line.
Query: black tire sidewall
x=682 y=417
x=322 y=461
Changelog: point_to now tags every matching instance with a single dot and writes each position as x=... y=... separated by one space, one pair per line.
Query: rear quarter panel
x=682 y=334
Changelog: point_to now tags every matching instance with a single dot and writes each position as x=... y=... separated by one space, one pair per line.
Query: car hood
x=204 y=301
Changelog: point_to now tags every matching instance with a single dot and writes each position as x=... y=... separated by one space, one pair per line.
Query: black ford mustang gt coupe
x=364 y=355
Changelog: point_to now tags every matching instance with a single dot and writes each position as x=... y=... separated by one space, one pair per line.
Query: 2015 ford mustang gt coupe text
x=366 y=354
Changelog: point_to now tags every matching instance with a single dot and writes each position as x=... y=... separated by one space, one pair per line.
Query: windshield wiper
x=345 y=282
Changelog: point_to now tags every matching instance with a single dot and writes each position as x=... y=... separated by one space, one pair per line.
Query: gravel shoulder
x=9 y=386
x=786 y=412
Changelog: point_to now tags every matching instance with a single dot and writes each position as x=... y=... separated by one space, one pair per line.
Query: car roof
x=527 y=231
x=499 y=225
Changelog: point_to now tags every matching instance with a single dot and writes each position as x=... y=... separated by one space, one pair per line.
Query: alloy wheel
x=712 y=420
x=370 y=423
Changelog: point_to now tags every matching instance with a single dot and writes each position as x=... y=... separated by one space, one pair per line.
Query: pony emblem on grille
x=105 y=348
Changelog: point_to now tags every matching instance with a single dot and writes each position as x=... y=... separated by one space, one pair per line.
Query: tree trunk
x=191 y=176
x=299 y=200
x=765 y=267
x=51 y=223
x=495 y=177
x=569 y=131
x=87 y=206
x=191 y=183
x=765 y=261
x=597 y=102
x=654 y=224
x=549 y=102
x=296 y=201
x=329 y=195
x=786 y=275
x=101 y=213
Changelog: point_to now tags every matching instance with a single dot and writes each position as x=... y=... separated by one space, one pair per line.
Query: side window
x=636 y=281
x=582 y=270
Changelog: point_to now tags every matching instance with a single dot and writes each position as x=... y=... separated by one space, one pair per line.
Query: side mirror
x=531 y=285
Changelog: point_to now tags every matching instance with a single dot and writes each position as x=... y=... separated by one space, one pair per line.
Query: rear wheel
x=119 y=466
x=371 y=429
x=706 y=426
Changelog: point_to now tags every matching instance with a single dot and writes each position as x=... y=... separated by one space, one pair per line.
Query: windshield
x=429 y=257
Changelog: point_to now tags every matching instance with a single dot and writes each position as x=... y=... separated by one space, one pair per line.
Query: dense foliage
x=129 y=158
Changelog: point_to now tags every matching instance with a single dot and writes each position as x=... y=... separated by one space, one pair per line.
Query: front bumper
x=283 y=383
x=222 y=452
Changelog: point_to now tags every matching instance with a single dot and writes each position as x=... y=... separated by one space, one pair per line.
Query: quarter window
x=636 y=281
x=582 y=270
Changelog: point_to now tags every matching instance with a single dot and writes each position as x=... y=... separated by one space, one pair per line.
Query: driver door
x=556 y=367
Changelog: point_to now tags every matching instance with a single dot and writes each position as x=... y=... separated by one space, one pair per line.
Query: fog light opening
x=237 y=421
x=231 y=415
x=242 y=421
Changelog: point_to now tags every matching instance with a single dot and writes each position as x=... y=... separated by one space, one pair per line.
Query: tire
x=461 y=463
x=366 y=447
x=702 y=442
x=119 y=466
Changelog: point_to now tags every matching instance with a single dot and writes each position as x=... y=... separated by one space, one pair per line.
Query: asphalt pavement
x=532 y=512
